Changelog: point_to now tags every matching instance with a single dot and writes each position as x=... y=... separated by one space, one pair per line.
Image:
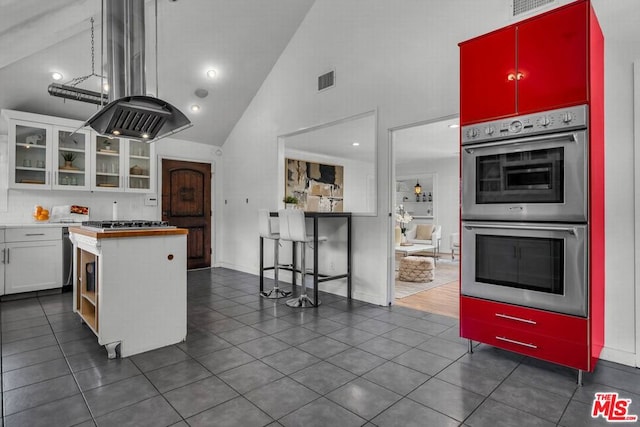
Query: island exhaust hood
x=130 y=112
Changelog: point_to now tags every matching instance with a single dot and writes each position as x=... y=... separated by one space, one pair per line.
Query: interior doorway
x=425 y=185
x=186 y=203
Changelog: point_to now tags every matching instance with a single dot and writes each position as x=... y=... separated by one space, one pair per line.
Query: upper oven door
x=538 y=265
x=540 y=178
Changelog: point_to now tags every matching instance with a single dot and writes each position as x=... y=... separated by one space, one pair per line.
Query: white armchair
x=426 y=234
x=454 y=243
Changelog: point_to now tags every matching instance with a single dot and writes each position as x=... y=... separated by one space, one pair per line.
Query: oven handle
x=572 y=136
x=570 y=230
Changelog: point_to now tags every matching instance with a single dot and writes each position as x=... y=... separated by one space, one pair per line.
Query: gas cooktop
x=125 y=224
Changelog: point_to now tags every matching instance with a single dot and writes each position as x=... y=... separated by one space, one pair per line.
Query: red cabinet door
x=486 y=62
x=552 y=59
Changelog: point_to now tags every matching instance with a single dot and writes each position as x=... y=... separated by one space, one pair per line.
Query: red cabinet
x=485 y=64
x=550 y=61
x=554 y=337
x=535 y=65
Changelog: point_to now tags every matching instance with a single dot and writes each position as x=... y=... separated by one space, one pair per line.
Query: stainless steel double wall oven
x=525 y=210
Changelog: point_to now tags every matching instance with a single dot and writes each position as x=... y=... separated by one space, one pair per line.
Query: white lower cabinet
x=32 y=259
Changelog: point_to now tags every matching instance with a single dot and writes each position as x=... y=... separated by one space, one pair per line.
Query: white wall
x=399 y=58
x=620 y=310
x=402 y=58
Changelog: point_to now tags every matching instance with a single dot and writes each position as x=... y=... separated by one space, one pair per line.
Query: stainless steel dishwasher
x=67 y=258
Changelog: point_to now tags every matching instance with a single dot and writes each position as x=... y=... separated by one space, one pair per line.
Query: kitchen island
x=130 y=287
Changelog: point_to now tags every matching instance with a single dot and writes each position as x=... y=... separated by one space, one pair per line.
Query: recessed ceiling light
x=454 y=125
x=195 y=108
x=56 y=75
x=145 y=135
x=116 y=132
x=212 y=73
x=356 y=144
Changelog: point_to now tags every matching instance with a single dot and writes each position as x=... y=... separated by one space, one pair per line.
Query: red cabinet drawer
x=553 y=325
x=569 y=353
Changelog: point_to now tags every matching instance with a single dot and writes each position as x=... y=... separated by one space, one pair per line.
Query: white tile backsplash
x=130 y=206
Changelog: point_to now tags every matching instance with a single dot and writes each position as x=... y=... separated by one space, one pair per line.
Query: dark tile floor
x=249 y=362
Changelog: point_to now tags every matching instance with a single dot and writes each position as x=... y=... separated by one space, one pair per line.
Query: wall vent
x=519 y=7
x=326 y=80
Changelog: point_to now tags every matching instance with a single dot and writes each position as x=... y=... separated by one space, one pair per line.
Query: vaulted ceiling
x=240 y=39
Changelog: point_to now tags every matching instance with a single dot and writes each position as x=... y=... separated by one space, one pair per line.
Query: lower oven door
x=541 y=266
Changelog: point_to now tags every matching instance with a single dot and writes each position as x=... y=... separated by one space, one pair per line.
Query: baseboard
x=619 y=356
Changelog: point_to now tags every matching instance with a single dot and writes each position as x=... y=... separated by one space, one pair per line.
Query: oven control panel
x=530 y=124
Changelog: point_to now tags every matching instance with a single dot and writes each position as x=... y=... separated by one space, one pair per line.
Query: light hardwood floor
x=443 y=300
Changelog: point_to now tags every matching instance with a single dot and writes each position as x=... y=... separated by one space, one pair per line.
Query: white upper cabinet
x=30 y=148
x=108 y=163
x=53 y=153
x=140 y=167
x=71 y=162
x=123 y=165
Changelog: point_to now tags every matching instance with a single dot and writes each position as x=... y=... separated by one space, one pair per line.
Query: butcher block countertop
x=116 y=234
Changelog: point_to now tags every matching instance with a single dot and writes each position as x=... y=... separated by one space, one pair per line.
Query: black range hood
x=130 y=112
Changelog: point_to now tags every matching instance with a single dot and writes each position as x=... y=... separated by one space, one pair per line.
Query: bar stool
x=266 y=232
x=293 y=228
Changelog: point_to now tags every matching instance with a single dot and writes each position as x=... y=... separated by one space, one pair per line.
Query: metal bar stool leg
x=276 y=292
x=303 y=301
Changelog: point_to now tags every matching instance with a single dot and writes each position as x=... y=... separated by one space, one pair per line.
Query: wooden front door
x=186 y=203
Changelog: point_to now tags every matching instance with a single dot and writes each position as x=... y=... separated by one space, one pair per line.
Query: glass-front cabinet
x=108 y=163
x=29 y=156
x=140 y=167
x=54 y=153
x=123 y=165
x=71 y=159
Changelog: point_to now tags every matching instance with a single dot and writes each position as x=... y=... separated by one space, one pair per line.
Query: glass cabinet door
x=140 y=166
x=108 y=163
x=30 y=154
x=71 y=162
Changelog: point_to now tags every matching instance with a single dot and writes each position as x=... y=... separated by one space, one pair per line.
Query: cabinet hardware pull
x=34 y=234
x=511 y=77
x=516 y=342
x=519 y=76
x=4 y=251
x=506 y=316
x=8 y=253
